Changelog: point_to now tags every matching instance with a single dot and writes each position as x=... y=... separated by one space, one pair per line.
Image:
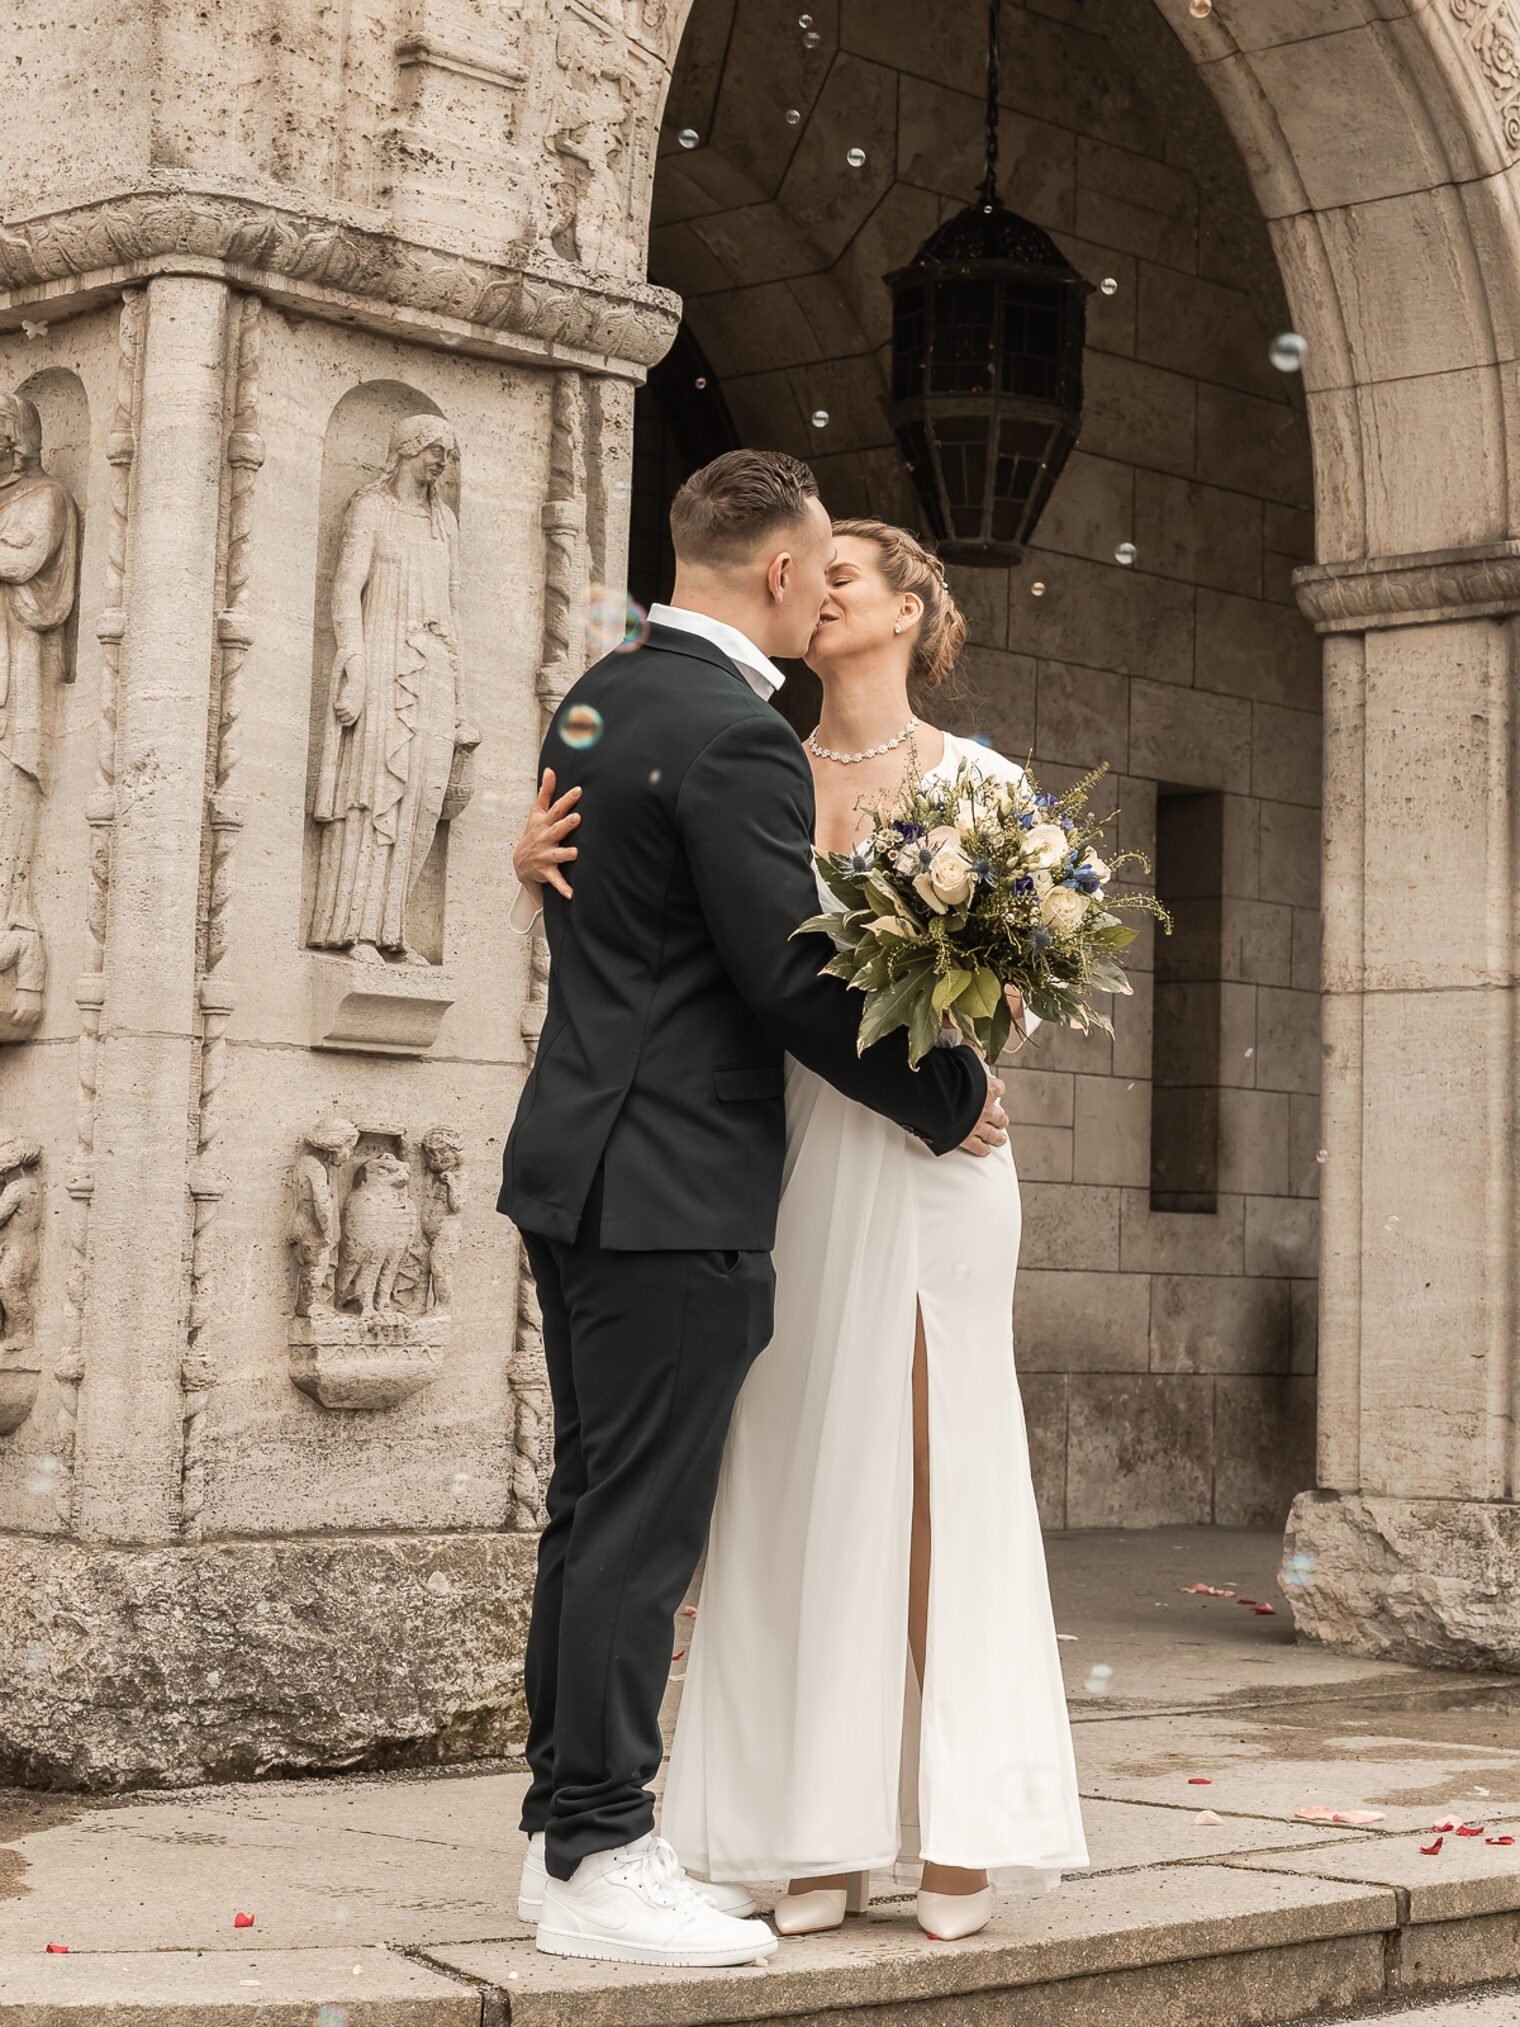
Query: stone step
x=1194 y=1945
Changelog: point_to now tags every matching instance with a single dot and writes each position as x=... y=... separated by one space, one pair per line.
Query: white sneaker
x=735 y=1900
x=635 y=1905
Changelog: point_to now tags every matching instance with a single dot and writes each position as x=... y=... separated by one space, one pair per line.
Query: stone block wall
x=1167 y=1357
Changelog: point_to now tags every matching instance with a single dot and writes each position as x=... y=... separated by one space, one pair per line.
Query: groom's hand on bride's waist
x=991 y=1130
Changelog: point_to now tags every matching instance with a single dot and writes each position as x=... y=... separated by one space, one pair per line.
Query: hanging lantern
x=988 y=322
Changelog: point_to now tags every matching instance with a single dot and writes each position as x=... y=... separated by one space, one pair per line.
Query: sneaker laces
x=663 y=1878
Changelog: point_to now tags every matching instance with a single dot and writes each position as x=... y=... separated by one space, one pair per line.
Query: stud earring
x=897 y=629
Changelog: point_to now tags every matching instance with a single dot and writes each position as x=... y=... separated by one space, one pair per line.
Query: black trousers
x=646 y=1354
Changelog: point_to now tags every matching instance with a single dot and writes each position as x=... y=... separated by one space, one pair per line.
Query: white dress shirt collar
x=763 y=676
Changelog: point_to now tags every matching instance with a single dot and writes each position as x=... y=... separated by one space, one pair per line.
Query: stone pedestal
x=272 y=1430
x=1411 y=1546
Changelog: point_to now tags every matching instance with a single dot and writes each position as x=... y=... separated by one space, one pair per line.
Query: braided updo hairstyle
x=908 y=566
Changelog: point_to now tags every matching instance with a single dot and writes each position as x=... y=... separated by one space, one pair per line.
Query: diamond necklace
x=853 y=759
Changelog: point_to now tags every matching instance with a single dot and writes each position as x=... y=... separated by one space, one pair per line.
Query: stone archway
x=1378 y=139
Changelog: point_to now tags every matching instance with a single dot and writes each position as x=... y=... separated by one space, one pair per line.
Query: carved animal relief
x=374 y=1226
x=39 y=568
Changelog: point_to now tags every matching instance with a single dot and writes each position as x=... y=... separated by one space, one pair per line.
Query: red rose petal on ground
x=242 y=1921
x=1209 y=1820
x=1200 y=1780
x=1471 y=1830
x=1315 y=1814
x=1268 y=1611
x=62 y=1949
x=1498 y=1840
x=1448 y=1823
x=1245 y=1601
x=688 y=1611
x=1430 y=1850
x=679 y=1655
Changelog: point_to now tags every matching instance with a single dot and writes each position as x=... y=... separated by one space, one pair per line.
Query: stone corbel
x=377 y=1009
x=1374 y=592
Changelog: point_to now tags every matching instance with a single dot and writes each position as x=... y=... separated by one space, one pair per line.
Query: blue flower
x=1026 y=819
x=1023 y=884
x=908 y=831
x=862 y=859
x=1041 y=939
x=982 y=868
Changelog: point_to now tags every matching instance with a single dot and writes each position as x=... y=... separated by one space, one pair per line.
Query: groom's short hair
x=723 y=512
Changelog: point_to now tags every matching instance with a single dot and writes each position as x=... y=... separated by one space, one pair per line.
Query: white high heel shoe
x=823 y=1907
x=946 y=1917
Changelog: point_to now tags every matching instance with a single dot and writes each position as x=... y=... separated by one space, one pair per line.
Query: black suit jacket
x=674 y=982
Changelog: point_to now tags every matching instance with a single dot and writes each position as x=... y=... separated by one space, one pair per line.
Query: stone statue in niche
x=396 y=734
x=374 y=1268
x=20 y=1220
x=588 y=195
x=380 y=1228
x=442 y=1209
x=314 y=1230
x=39 y=573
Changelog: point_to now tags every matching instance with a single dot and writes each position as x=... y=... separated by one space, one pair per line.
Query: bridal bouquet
x=971 y=886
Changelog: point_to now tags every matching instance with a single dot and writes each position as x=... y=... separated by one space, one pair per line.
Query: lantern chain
x=994 y=70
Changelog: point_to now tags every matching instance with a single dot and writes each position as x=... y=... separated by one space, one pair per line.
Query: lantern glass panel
x=914 y=441
x=962 y=441
x=962 y=356
x=1032 y=321
x=910 y=331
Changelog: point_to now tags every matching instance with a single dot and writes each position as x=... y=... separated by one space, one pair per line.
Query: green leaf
x=984 y=994
x=949 y=989
x=923 y=1026
x=876 y=888
x=999 y=1029
x=1108 y=976
x=829 y=924
x=843 y=964
x=892 y=1007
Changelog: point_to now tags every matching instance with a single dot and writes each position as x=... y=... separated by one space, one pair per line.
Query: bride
x=874 y=1688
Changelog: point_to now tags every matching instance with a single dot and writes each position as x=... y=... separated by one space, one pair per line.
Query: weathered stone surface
x=1423 y=1580
x=170 y=1666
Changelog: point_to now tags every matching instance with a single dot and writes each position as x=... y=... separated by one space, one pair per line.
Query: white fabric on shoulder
x=522 y=918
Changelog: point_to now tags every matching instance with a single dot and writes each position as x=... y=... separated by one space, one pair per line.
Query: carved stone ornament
x=386 y=277
x=20 y=1217
x=39 y=543
x=1419 y=590
x=395 y=726
x=375 y=1239
x=1492 y=33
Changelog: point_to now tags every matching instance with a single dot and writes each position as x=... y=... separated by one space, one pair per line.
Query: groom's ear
x=779 y=574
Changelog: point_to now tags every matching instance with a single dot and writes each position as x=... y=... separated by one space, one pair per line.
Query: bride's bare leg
x=937 y=1878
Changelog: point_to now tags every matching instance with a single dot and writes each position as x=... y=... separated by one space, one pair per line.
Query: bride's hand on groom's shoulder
x=541 y=851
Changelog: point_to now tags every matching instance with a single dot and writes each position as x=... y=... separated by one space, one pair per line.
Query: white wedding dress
x=803 y=1746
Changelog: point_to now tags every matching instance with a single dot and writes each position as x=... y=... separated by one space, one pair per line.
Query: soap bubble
x=820 y=418
x=614 y=622
x=804 y=20
x=1391 y=1224
x=1298 y=1570
x=1126 y=554
x=1099 y=1679
x=701 y=381
x=332 y=2016
x=1287 y=352
x=1037 y=589
x=1250 y=1052
x=689 y=137
x=812 y=39
x=793 y=117
x=1200 y=9
x=1109 y=286
x=1322 y=1156
x=856 y=158
x=581 y=726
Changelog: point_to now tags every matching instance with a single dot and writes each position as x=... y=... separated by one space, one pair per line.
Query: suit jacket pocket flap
x=749 y=1080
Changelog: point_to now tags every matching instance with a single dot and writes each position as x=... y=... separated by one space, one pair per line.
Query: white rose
x=951 y=875
x=1042 y=882
x=1046 y=844
x=942 y=834
x=1091 y=863
x=1063 y=908
x=923 y=886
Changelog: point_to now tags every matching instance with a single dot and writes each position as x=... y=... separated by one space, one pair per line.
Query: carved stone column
x=127 y=1461
x=1412 y=1544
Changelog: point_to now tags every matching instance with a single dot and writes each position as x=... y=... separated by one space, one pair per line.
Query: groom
x=644 y=1171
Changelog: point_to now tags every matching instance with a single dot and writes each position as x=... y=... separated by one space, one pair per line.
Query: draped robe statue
x=395 y=735
x=39 y=552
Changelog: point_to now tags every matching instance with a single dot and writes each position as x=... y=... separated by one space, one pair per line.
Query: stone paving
x=389 y=1900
